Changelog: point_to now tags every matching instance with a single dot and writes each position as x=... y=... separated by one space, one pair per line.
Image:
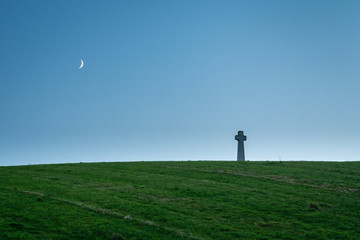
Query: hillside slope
x=181 y=200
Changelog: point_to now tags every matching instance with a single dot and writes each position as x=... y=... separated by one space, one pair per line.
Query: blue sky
x=176 y=80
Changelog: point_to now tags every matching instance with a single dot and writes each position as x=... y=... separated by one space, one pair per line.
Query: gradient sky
x=176 y=80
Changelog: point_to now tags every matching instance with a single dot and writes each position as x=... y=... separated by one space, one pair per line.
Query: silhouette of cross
x=241 y=152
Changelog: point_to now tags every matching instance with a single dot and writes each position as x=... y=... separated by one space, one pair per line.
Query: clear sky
x=176 y=80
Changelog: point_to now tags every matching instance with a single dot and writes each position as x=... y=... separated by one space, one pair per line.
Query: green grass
x=181 y=200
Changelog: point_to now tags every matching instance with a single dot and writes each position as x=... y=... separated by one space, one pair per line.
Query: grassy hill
x=181 y=200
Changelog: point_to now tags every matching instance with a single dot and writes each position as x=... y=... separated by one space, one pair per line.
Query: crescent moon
x=82 y=64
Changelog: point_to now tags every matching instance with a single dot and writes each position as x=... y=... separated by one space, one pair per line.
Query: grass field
x=181 y=200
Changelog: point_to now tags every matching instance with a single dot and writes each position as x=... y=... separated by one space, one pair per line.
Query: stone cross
x=241 y=152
